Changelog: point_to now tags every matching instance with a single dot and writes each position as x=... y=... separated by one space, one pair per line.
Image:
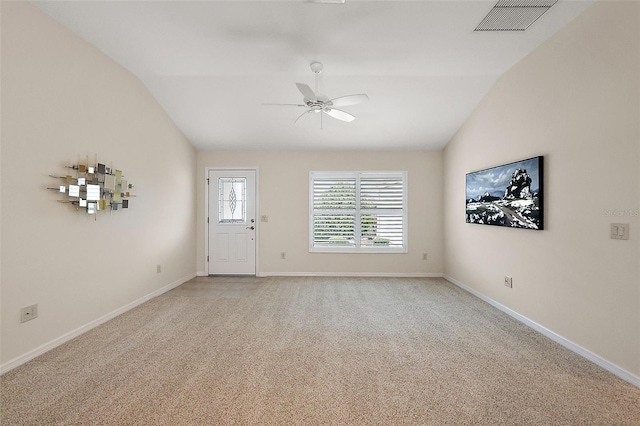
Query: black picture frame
x=510 y=195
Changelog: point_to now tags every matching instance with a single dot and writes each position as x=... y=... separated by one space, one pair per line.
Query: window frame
x=358 y=175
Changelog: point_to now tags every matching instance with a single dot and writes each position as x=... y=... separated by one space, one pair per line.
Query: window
x=358 y=212
x=232 y=205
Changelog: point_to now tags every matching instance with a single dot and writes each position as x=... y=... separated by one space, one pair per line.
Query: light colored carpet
x=315 y=351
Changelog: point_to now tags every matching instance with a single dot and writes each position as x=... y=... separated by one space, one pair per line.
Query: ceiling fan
x=319 y=103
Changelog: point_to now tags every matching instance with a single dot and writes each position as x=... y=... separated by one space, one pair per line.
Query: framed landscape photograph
x=510 y=195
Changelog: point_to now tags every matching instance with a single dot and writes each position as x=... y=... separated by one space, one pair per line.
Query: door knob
x=251 y=227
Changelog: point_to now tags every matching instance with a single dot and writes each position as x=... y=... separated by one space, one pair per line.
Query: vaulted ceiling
x=213 y=64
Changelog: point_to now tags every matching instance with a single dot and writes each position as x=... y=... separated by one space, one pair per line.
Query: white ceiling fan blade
x=339 y=114
x=306 y=92
x=306 y=112
x=350 y=100
x=298 y=105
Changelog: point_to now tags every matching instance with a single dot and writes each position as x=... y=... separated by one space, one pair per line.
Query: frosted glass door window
x=232 y=195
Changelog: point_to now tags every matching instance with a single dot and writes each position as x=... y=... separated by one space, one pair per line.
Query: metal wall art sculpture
x=94 y=188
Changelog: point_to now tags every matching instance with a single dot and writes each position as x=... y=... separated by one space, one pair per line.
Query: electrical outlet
x=283 y=255
x=508 y=281
x=29 y=313
x=158 y=268
x=424 y=256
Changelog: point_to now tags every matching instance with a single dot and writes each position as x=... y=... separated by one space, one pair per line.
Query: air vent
x=514 y=15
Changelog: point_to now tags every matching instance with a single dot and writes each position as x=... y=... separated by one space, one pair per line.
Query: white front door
x=232 y=222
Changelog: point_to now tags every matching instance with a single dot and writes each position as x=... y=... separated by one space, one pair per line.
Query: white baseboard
x=10 y=365
x=352 y=274
x=585 y=353
x=201 y=274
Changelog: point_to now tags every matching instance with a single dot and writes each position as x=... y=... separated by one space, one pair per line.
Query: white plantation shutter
x=334 y=211
x=382 y=210
x=358 y=211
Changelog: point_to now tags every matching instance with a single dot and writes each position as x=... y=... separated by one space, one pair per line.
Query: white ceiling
x=211 y=65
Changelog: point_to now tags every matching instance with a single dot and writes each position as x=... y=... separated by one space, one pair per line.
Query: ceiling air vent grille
x=514 y=15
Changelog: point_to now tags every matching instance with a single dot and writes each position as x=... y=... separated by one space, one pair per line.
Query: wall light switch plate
x=620 y=231
x=264 y=218
x=508 y=282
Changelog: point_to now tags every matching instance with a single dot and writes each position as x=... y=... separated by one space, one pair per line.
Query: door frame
x=207 y=213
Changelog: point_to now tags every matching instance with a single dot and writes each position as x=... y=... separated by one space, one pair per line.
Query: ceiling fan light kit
x=317 y=102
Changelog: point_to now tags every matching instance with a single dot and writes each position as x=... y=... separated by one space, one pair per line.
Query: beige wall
x=284 y=198
x=62 y=99
x=575 y=100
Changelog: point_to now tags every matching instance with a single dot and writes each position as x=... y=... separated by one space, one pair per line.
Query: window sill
x=371 y=250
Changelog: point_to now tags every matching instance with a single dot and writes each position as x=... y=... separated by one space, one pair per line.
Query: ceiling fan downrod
x=317 y=68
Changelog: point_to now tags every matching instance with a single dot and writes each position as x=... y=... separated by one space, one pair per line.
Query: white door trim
x=206 y=213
